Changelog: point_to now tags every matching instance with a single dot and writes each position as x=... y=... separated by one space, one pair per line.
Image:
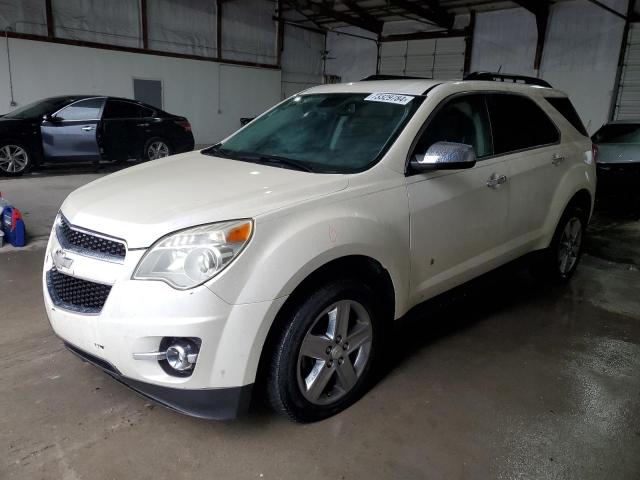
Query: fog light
x=182 y=355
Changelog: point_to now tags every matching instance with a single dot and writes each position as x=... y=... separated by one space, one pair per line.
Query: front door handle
x=494 y=181
x=142 y=125
x=87 y=129
x=556 y=159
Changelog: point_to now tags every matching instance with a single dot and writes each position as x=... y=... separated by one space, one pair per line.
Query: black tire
x=146 y=156
x=548 y=266
x=288 y=366
x=9 y=149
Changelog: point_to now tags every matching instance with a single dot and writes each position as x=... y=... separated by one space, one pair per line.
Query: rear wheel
x=558 y=263
x=14 y=159
x=324 y=357
x=156 y=148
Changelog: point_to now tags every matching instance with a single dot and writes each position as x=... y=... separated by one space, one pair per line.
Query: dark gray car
x=618 y=157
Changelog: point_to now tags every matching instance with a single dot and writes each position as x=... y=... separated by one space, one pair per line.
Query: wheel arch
x=362 y=267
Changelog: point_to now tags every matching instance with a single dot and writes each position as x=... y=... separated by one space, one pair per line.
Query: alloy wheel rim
x=157 y=150
x=13 y=159
x=569 y=246
x=334 y=352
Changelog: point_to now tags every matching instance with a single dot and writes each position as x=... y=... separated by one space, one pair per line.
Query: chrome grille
x=75 y=294
x=86 y=243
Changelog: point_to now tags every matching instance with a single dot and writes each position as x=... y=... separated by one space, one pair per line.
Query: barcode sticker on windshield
x=389 y=98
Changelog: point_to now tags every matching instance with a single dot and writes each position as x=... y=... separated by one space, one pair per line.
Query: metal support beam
x=621 y=55
x=49 y=15
x=423 y=35
x=428 y=10
x=145 y=25
x=541 y=11
x=610 y=10
x=279 y=34
x=468 y=42
x=219 y=28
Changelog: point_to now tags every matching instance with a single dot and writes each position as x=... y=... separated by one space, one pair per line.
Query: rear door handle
x=556 y=159
x=87 y=129
x=142 y=125
x=494 y=181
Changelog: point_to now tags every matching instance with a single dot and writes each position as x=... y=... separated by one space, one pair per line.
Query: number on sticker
x=389 y=98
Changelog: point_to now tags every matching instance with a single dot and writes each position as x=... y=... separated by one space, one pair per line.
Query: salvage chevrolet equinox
x=283 y=253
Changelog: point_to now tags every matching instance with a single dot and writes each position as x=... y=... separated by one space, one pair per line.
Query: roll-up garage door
x=441 y=58
x=627 y=105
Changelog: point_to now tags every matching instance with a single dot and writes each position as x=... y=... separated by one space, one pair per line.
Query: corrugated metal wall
x=628 y=96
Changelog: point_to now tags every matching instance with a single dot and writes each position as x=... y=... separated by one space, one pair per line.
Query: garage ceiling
x=371 y=15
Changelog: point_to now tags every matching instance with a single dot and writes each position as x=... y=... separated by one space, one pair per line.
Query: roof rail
x=502 y=77
x=391 y=77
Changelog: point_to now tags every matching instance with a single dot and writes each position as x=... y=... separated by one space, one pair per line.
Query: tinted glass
x=83 y=110
x=564 y=106
x=618 y=133
x=37 y=109
x=120 y=109
x=518 y=123
x=461 y=120
x=325 y=132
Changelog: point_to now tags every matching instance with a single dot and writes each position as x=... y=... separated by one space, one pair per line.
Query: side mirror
x=47 y=117
x=445 y=156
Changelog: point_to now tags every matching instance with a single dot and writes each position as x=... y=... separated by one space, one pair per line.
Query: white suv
x=284 y=252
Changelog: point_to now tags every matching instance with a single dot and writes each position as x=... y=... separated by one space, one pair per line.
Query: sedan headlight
x=190 y=257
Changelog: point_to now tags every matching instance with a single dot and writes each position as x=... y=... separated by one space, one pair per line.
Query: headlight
x=190 y=257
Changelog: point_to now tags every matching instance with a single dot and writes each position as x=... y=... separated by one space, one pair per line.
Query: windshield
x=37 y=109
x=618 y=133
x=326 y=133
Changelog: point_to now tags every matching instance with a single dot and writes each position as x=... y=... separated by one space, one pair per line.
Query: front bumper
x=135 y=318
x=211 y=404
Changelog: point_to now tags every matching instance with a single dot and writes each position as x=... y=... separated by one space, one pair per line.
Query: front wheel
x=14 y=159
x=559 y=262
x=325 y=354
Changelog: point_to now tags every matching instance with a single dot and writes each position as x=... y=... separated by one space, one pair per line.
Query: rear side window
x=82 y=110
x=119 y=109
x=518 y=123
x=564 y=106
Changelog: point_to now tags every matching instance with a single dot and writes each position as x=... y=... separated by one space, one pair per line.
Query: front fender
x=286 y=249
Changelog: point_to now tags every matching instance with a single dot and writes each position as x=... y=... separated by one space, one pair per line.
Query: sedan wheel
x=334 y=352
x=157 y=149
x=14 y=159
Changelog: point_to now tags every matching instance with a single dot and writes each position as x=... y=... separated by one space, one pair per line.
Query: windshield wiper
x=256 y=158
x=285 y=161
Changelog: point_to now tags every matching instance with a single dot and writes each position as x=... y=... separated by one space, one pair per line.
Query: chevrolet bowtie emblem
x=60 y=260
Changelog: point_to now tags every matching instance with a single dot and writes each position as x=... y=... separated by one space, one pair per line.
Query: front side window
x=518 y=123
x=88 y=109
x=618 y=133
x=327 y=133
x=461 y=120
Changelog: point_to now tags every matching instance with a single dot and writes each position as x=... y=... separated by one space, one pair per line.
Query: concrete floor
x=510 y=380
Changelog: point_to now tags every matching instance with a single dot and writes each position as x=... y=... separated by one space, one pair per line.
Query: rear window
x=518 y=123
x=618 y=133
x=564 y=106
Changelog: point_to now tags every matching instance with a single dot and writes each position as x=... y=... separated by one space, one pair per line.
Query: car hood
x=143 y=203
x=618 y=153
